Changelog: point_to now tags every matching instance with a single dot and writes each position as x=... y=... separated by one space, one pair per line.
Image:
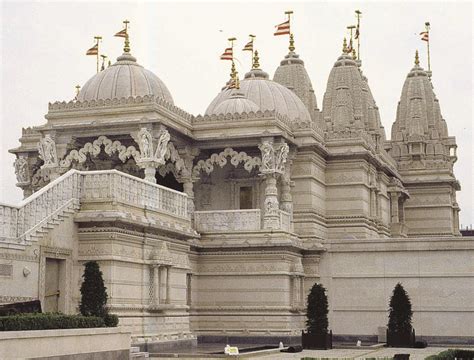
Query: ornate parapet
x=74 y=105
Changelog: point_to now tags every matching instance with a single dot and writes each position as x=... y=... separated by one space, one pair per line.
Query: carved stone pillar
x=156 y=279
x=274 y=158
x=394 y=207
x=286 y=185
x=187 y=179
x=271 y=217
x=151 y=157
x=168 y=297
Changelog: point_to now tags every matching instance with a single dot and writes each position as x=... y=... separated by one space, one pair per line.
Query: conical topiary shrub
x=400 y=332
x=317 y=311
x=93 y=291
x=317 y=335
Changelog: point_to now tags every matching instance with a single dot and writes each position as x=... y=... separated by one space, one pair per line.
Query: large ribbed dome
x=267 y=95
x=126 y=78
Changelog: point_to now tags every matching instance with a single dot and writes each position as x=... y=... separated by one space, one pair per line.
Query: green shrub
x=48 y=321
x=111 y=320
x=317 y=310
x=452 y=354
x=399 y=319
x=93 y=291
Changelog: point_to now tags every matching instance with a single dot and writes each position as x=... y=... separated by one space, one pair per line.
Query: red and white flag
x=93 y=50
x=249 y=46
x=228 y=54
x=121 y=33
x=283 y=28
x=425 y=36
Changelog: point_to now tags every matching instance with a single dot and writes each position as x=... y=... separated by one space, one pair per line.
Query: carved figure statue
x=145 y=144
x=281 y=156
x=162 y=146
x=47 y=151
x=21 y=170
x=268 y=161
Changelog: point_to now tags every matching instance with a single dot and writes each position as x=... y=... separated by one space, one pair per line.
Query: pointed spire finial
x=256 y=64
x=344 y=46
x=417 y=59
x=292 y=43
x=126 y=47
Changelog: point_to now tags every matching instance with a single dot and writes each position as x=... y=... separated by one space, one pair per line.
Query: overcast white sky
x=43 y=45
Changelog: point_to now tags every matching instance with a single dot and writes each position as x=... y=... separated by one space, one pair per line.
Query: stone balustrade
x=16 y=221
x=235 y=220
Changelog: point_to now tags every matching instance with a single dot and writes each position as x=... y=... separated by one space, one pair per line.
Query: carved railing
x=227 y=220
x=78 y=186
x=235 y=220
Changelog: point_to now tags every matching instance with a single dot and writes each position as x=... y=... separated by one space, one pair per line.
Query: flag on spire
x=283 y=28
x=425 y=36
x=93 y=50
x=248 y=46
x=228 y=54
x=122 y=33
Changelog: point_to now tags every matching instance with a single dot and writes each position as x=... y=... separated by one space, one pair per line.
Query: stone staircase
x=136 y=354
x=38 y=214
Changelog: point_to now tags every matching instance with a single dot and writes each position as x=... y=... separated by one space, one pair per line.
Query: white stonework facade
x=218 y=225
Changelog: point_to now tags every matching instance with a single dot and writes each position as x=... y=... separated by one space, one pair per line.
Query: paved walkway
x=356 y=354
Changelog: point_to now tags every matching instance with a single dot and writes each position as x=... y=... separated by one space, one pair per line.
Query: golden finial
x=417 y=59
x=126 y=47
x=256 y=64
x=292 y=43
x=233 y=72
x=344 y=46
x=354 y=56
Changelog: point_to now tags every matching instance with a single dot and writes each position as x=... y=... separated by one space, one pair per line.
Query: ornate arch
x=221 y=159
x=94 y=148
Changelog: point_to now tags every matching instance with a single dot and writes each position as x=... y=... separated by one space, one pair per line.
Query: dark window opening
x=246 y=197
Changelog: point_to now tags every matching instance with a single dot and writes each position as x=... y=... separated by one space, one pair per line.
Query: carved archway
x=221 y=159
x=93 y=149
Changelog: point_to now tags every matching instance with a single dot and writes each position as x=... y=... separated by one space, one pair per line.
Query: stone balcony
x=236 y=220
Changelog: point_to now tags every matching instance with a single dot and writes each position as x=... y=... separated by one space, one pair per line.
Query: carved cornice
x=73 y=105
x=245 y=116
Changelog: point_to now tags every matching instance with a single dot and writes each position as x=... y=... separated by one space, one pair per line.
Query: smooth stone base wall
x=74 y=344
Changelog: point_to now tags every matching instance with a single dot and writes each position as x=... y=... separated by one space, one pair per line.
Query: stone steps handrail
x=16 y=221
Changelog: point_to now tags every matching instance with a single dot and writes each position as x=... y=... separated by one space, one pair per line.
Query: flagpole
x=351 y=27
x=252 y=38
x=427 y=27
x=126 y=47
x=292 y=39
x=97 y=38
x=358 y=13
x=232 y=69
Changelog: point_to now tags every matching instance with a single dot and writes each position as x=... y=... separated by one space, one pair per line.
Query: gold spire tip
x=256 y=64
x=292 y=43
x=344 y=46
x=417 y=59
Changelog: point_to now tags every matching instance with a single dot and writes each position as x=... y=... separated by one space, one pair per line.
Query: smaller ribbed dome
x=267 y=95
x=124 y=79
x=236 y=104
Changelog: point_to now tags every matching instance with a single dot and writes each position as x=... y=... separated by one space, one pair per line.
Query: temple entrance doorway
x=54 y=287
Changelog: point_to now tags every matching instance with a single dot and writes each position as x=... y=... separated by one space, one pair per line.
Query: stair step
x=134 y=349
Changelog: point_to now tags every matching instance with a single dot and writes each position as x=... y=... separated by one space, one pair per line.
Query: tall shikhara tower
x=425 y=154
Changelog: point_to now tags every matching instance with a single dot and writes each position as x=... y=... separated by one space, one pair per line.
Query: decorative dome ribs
x=124 y=79
x=260 y=93
x=419 y=129
x=348 y=104
x=292 y=74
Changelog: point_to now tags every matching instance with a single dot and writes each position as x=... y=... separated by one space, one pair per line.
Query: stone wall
x=437 y=273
